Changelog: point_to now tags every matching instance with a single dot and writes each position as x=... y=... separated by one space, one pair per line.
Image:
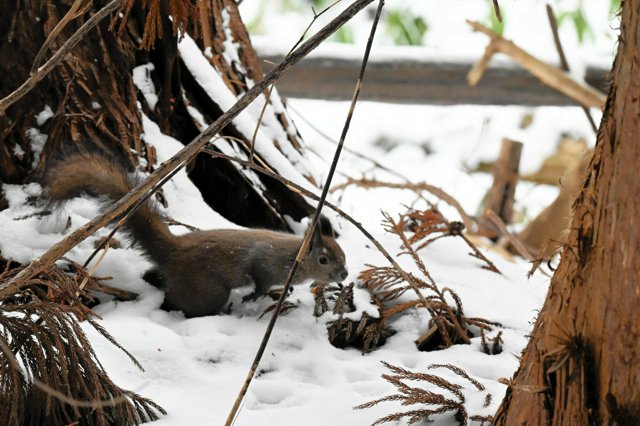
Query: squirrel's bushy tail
x=102 y=177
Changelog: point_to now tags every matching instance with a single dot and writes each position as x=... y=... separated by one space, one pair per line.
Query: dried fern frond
x=49 y=373
x=403 y=374
x=387 y=282
x=425 y=223
x=366 y=334
x=491 y=346
x=184 y=14
x=460 y=372
x=320 y=302
x=448 y=324
x=436 y=403
x=344 y=302
x=286 y=307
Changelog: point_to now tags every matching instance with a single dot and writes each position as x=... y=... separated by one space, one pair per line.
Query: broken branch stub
x=551 y=76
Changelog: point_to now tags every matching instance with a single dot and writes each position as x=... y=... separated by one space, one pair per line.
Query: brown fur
x=198 y=270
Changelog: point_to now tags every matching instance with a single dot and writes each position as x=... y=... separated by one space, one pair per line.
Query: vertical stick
x=564 y=64
x=505 y=179
x=305 y=243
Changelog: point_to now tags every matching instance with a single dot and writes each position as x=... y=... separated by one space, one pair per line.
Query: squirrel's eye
x=323 y=260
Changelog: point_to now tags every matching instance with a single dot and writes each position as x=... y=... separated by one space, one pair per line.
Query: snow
x=278 y=25
x=143 y=82
x=245 y=122
x=195 y=367
x=44 y=115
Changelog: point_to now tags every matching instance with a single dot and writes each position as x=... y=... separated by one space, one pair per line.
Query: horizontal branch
x=428 y=82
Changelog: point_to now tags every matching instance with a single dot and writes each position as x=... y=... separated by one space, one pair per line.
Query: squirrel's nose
x=344 y=274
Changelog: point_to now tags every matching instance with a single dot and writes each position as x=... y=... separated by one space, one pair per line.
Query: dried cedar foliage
x=425 y=223
x=366 y=333
x=275 y=296
x=491 y=346
x=49 y=374
x=184 y=15
x=434 y=402
x=448 y=324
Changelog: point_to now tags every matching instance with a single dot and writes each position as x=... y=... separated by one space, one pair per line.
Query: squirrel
x=197 y=270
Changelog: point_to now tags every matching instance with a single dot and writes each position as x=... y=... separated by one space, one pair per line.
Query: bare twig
x=549 y=75
x=172 y=222
x=479 y=255
x=307 y=238
x=347 y=149
x=456 y=229
x=420 y=186
x=295 y=187
x=564 y=64
x=118 y=293
x=183 y=157
x=93 y=269
x=60 y=55
x=496 y=8
x=515 y=242
x=78 y=8
x=268 y=95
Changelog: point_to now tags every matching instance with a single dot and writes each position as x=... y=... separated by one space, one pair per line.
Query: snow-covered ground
x=195 y=367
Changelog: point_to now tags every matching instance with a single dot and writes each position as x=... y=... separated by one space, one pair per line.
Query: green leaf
x=318 y=4
x=614 y=7
x=405 y=28
x=495 y=25
x=580 y=23
x=344 y=34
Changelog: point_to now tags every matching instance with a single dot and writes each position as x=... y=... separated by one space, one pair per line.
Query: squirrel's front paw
x=252 y=297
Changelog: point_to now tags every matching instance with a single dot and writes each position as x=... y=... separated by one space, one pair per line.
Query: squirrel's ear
x=325 y=226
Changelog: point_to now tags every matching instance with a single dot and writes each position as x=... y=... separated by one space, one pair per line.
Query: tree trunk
x=582 y=364
x=91 y=102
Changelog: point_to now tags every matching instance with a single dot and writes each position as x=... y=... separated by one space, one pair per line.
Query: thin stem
x=416 y=187
x=351 y=151
x=182 y=157
x=79 y=7
x=268 y=95
x=496 y=9
x=305 y=243
x=333 y=207
x=564 y=64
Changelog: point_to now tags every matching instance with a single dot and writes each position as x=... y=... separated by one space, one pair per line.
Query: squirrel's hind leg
x=155 y=277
